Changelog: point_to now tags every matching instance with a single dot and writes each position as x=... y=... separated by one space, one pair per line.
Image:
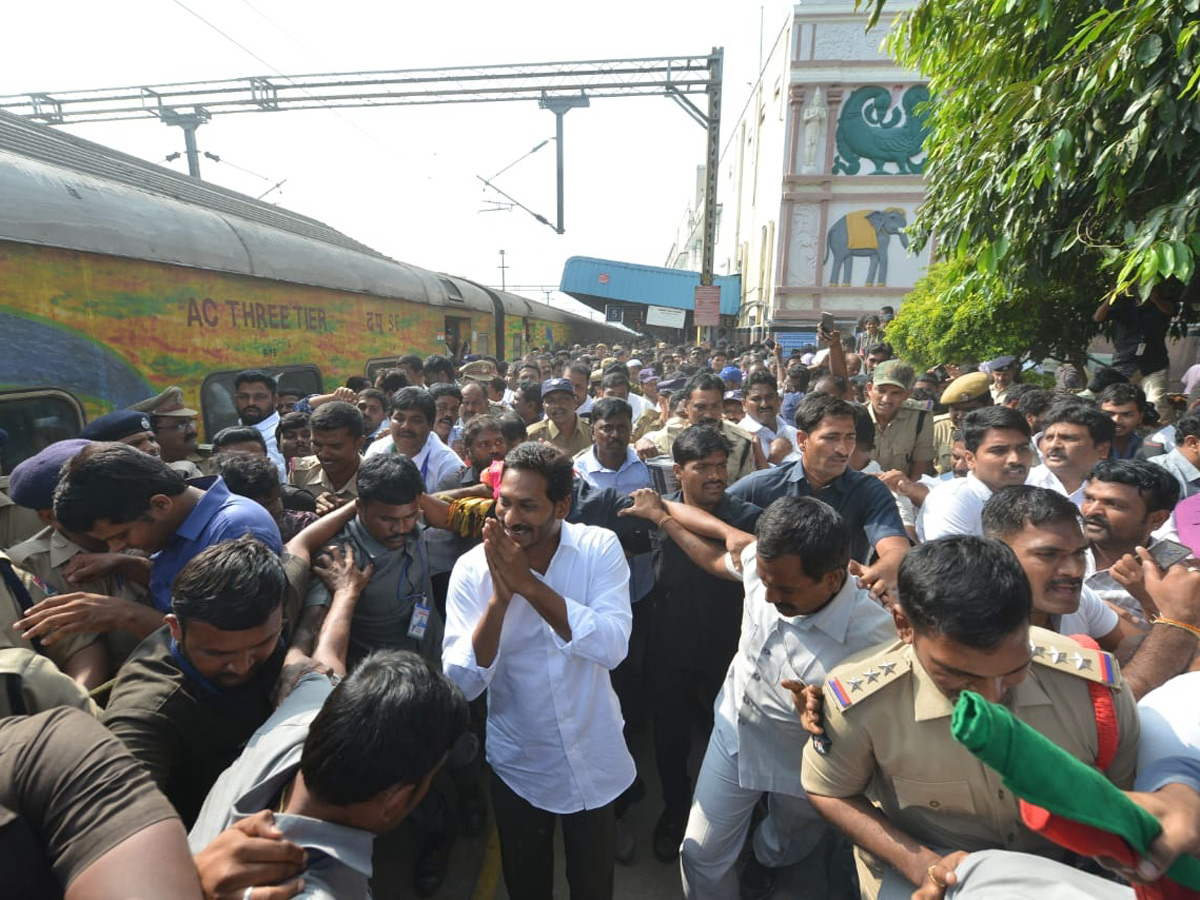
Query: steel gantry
x=556 y=86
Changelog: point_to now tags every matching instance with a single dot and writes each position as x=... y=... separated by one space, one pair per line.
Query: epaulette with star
x=1059 y=652
x=848 y=687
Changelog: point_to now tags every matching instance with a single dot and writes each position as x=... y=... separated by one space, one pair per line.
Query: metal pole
x=558 y=158
x=193 y=154
x=709 y=234
x=560 y=106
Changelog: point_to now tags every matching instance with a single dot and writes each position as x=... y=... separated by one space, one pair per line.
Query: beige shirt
x=943 y=443
x=308 y=473
x=908 y=437
x=547 y=430
x=16 y=522
x=891 y=743
x=41 y=561
x=741 y=456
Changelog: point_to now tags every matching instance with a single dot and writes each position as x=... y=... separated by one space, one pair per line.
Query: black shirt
x=698 y=617
x=1135 y=324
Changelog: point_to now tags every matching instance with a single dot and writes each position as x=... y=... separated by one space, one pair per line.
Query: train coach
x=119 y=278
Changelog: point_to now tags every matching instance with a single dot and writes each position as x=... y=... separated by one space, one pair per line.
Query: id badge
x=1141 y=348
x=419 y=621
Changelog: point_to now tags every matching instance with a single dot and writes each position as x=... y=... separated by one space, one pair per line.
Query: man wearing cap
x=562 y=426
x=903 y=435
x=480 y=372
x=125 y=426
x=67 y=612
x=1003 y=370
x=174 y=427
x=963 y=394
x=732 y=376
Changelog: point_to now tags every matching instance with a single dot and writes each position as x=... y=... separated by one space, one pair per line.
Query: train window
x=34 y=419
x=377 y=364
x=452 y=291
x=217 y=408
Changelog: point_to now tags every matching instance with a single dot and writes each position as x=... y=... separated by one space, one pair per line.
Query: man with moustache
x=803 y=614
x=964 y=394
x=694 y=630
x=174 y=426
x=1075 y=436
x=562 y=426
x=1042 y=528
x=998 y=454
x=255 y=400
x=538 y=616
x=705 y=397
x=329 y=474
x=374 y=406
x=484 y=444
x=903 y=435
x=414 y=412
x=447 y=401
x=1124 y=502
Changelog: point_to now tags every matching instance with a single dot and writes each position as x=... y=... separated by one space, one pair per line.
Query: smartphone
x=1168 y=553
x=827 y=323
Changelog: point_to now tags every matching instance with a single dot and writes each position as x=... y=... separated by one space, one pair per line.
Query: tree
x=950 y=317
x=1064 y=143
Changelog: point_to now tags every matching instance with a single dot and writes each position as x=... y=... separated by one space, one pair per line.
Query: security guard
x=963 y=394
x=44 y=561
x=964 y=625
x=174 y=426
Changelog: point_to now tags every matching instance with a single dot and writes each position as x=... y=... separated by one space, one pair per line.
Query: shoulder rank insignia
x=1059 y=652
x=853 y=683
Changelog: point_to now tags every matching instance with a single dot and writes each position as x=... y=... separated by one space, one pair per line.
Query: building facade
x=820 y=175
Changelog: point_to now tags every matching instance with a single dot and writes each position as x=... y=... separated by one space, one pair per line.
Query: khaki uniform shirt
x=39 y=684
x=943 y=443
x=308 y=473
x=741 y=456
x=890 y=730
x=646 y=422
x=10 y=611
x=16 y=522
x=44 y=557
x=908 y=437
x=581 y=440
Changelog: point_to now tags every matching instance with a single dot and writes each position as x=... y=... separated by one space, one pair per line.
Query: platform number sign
x=614 y=313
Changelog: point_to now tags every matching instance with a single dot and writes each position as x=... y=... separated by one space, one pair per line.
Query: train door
x=457 y=331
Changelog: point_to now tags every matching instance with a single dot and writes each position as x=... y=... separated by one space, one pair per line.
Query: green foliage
x=1065 y=142
x=949 y=317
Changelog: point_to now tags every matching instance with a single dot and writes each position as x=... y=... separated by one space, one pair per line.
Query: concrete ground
x=474 y=871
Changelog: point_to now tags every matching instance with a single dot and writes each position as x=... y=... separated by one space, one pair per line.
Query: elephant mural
x=864 y=232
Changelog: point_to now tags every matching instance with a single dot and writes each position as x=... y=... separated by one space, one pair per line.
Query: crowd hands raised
x=227 y=674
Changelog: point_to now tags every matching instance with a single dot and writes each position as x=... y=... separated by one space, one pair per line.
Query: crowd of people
x=454 y=594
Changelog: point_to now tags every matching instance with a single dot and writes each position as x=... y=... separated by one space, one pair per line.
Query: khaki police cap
x=965 y=388
x=168 y=403
x=480 y=368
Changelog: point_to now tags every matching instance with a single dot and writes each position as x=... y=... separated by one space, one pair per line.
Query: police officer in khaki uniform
x=964 y=625
x=963 y=394
x=705 y=396
x=68 y=615
x=330 y=474
x=174 y=426
x=903 y=433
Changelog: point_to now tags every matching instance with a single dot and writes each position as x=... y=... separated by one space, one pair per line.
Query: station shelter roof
x=596 y=281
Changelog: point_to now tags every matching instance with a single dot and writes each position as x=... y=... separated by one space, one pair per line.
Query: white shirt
x=908 y=512
x=1041 y=476
x=754 y=715
x=1110 y=590
x=1095 y=618
x=267 y=429
x=1169 y=743
x=435 y=460
x=953 y=507
x=751 y=425
x=554 y=722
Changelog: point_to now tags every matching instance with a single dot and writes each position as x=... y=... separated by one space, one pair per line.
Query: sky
x=403 y=179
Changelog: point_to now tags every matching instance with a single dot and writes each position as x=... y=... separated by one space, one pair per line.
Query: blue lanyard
x=211 y=689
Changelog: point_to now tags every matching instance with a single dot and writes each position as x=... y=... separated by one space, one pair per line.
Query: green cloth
x=1042 y=773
